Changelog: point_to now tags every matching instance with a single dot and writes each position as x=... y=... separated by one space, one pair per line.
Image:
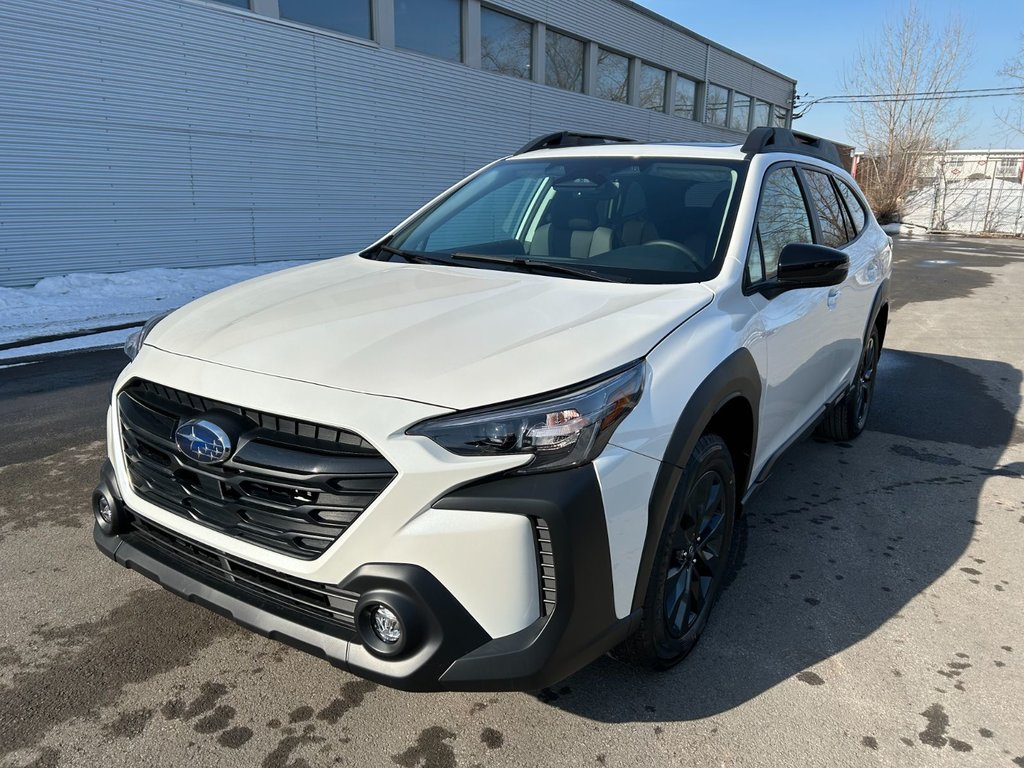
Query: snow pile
x=86 y=300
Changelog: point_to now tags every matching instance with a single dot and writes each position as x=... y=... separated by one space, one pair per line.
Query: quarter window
x=433 y=27
x=716 y=111
x=612 y=76
x=740 y=116
x=352 y=18
x=686 y=98
x=652 y=87
x=781 y=220
x=853 y=205
x=564 y=61
x=830 y=211
x=505 y=43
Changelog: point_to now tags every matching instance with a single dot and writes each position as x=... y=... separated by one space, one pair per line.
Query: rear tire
x=693 y=556
x=847 y=418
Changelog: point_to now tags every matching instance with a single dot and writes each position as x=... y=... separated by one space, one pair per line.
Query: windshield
x=647 y=220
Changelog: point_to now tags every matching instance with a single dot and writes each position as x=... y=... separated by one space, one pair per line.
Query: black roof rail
x=763 y=140
x=561 y=139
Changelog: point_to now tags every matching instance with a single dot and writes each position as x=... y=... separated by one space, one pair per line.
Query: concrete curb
x=70 y=335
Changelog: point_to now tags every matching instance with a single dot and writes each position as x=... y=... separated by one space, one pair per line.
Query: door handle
x=833 y=298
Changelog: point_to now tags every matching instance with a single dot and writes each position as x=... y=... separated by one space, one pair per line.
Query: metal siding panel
x=141 y=133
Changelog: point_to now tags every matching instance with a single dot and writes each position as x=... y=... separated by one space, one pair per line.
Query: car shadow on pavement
x=841 y=538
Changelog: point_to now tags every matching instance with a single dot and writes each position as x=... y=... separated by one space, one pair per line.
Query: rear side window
x=831 y=215
x=853 y=205
x=782 y=219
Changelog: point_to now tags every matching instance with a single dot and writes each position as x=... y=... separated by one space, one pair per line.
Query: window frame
x=371 y=40
x=664 y=86
x=532 y=23
x=461 y=56
x=707 y=100
x=583 y=60
x=597 y=64
x=696 y=97
x=751 y=100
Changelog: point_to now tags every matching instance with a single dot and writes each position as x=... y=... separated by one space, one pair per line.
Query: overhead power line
x=900 y=98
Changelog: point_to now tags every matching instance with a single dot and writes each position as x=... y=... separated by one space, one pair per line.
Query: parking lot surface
x=876 y=615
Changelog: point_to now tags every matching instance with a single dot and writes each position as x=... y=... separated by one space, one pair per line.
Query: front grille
x=320 y=606
x=290 y=486
x=545 y=565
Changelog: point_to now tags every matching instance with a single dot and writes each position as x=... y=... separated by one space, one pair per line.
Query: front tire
x=693 y=556
x=847 y=418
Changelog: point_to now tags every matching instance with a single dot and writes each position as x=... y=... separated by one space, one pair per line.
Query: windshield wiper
x=532 y=265
x=414 y=257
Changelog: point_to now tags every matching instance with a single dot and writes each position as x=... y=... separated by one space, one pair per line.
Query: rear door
x=798 y=332
x=850 y=303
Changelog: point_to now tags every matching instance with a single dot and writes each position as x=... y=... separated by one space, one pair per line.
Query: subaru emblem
x=203 y=441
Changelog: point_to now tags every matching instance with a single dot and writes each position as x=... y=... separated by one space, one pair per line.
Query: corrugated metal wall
x=140 y=133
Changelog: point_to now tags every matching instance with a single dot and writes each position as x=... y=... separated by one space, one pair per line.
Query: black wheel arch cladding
x=735 y=377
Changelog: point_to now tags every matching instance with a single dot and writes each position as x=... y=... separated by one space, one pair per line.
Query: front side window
x=647 y=220
x=506 y=44
x=831 y=218
x=352 y=18
x=652 y=87
x=612 y=76
x=563 y=66
x=716 y=111
x=739 y=118
x=433 y=27
x=781 y=219
x=686 y=98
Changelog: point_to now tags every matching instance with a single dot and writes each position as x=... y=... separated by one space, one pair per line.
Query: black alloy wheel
x=692 y=559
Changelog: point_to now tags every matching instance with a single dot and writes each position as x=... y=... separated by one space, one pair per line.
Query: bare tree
x=908 y=57
x=1013 y=118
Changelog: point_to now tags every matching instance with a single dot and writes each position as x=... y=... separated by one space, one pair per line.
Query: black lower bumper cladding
x=448 y=650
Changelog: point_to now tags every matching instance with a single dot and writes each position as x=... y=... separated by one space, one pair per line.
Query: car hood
x=456 y=337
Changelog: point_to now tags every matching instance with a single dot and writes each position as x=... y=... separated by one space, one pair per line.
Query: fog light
x=386 y=625
x=103 y=509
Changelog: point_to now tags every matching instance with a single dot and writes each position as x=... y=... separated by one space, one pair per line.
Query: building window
x=762 y=114
x=716 y=111
x=686 y=98
x=739 y=118
x=433 y=27
x=505 y=43
x=612 y=81
x=652 y=87
x=781 y=117
x=237 y=3
x=564 y=61
x=352 y=18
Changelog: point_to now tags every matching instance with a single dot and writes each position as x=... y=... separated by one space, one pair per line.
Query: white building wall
x=139 y=133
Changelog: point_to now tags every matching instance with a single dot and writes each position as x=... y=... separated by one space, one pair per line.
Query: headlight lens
x=560 y=431
x=134 y=343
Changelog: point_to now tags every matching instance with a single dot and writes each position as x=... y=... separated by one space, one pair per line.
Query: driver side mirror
x=806 y=265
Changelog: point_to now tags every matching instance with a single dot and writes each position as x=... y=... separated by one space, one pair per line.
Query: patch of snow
x=87 y=300
x=893 y=228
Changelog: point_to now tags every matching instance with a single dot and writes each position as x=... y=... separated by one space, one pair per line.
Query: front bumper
x=451 y=651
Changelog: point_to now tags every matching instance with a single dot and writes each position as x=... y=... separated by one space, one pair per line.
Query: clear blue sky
x=810 y=42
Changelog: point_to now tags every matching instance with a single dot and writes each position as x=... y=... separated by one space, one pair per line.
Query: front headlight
x=561 y=430
x=134 y=343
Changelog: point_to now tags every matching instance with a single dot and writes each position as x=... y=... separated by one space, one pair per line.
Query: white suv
x=516 y=432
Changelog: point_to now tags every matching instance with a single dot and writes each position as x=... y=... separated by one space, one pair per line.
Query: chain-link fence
x=969 y=191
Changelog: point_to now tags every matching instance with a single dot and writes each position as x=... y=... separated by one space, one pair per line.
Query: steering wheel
x=685 y=250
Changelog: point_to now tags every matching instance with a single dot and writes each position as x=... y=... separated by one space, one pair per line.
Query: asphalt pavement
x=876 y=616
